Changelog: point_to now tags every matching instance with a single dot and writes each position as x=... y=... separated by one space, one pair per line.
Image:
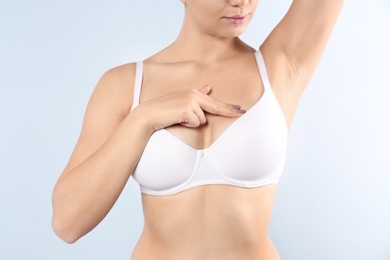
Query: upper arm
x=301 y=36
x=109 y=104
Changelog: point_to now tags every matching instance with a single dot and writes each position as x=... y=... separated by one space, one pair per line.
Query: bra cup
x=163 y=167
x=249 y=153
x=254 y=149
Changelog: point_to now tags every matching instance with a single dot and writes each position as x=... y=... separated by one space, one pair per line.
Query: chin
x=232 y=33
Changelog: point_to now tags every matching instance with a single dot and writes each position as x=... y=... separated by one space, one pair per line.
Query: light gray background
x=334 y=197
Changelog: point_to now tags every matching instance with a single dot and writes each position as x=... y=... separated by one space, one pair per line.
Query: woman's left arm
x=301 y=36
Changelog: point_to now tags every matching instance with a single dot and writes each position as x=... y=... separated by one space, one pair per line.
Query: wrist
x=139 y=118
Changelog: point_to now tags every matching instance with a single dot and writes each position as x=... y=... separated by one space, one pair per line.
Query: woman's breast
x=250 y=152
x=208 y=220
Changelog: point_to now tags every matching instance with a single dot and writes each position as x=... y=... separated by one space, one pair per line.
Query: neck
x=192 y=44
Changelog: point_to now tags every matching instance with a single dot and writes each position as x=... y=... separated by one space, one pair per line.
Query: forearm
x=85 y=194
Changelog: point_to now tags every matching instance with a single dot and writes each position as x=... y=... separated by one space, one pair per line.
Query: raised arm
x=300 y=38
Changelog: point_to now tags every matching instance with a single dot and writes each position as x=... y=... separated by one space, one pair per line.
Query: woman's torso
x=210 y=221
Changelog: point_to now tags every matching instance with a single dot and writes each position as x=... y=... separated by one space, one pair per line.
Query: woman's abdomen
x=208 y=222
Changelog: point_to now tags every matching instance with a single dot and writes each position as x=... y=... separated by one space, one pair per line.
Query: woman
x=202 y=126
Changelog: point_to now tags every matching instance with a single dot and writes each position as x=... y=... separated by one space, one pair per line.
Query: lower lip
x=239 y=20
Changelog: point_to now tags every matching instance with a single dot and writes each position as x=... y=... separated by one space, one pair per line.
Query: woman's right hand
x=187 y=108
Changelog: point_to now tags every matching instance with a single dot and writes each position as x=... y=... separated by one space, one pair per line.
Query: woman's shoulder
x=115 y=89
x=119 y=79
x=119 y=76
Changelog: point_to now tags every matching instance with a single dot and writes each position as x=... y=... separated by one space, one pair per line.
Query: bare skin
x=189 y=89
x=202 y=223
x=209 y=222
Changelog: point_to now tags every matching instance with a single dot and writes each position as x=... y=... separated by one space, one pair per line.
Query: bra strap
x=262 y=69
x=139 y=68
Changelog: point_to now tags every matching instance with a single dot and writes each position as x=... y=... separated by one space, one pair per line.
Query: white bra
x=249 y=153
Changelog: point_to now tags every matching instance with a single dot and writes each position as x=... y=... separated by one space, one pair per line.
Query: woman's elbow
x=63 y=219
x=64 y=230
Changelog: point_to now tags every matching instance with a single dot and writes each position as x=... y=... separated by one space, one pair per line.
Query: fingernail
x=241 y=111
x=237 y=107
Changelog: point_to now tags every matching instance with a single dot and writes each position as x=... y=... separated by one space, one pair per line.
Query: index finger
x=216 y=107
